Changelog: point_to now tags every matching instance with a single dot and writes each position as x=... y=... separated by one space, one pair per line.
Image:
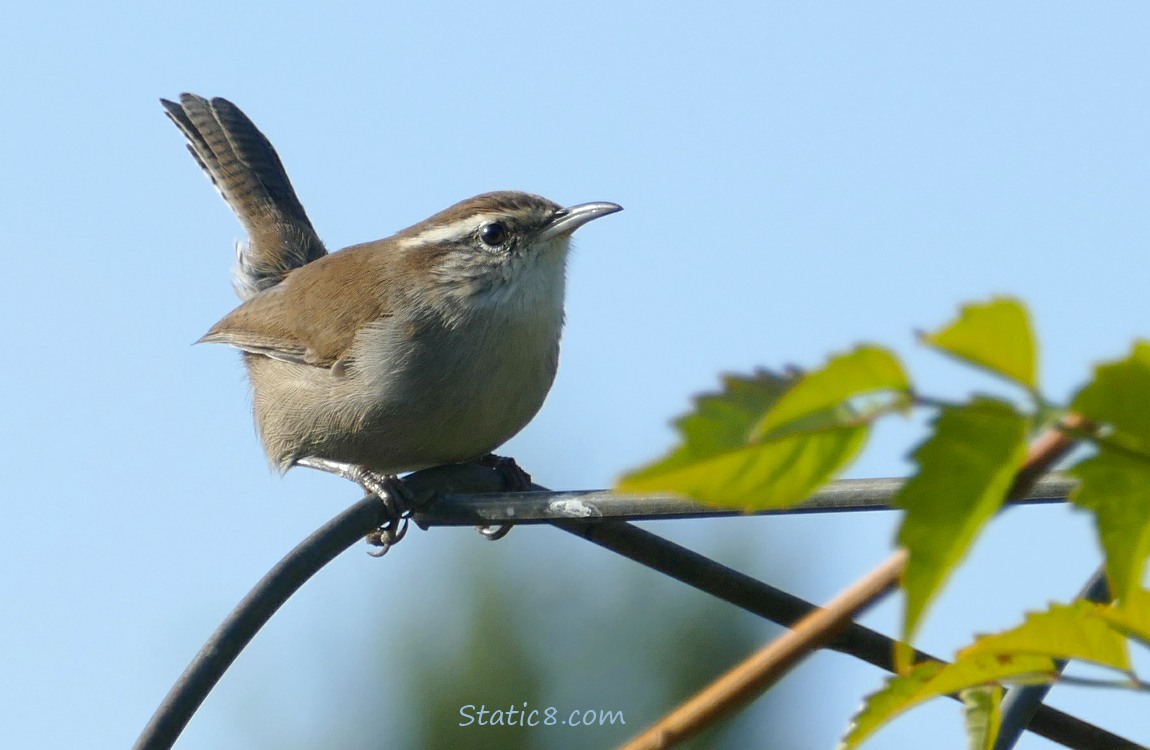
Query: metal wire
x=494 y=508
x=251 y=614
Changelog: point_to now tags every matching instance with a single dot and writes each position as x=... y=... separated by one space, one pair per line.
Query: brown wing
x=313 y=316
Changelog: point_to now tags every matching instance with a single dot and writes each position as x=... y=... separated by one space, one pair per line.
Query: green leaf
x=1115 y=487
x=1119 y=396
x=772 y=474
x=899 y=694
x=1074 y=631
x=931 y=679
x=965 y=470
x=996 y=335
x=866 y=370
x=1131 y=616
x=982 y=714
x=721 y=462
x=722 y=422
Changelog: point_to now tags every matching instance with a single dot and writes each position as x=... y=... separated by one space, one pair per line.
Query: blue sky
x=796 y=178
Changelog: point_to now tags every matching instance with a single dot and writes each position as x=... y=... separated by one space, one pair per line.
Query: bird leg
x=390 y=490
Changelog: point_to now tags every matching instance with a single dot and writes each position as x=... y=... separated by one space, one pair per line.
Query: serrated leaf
x=928 y=680
x=1119 y=396
x=899 y=694
x=982 y=715
x=865 y=370
x=965 y=470
x=1115 y=487
x=720 y=462
x=770 y=474
x=1074 y=631
x=980 y=669
x=1131 y=616
x=995 y=335
x=722 y=422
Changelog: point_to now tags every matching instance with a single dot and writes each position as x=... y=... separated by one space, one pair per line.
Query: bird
x=432 y=346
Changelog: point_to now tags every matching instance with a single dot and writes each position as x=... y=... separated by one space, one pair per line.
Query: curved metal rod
x=234 y=633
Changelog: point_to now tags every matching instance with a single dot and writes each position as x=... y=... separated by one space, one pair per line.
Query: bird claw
x=395 y=496
x=387 y=536
x=390 y=490
x=495 y=533
x=515 y=479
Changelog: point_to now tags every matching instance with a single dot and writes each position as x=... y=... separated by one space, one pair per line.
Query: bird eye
x=493 y=234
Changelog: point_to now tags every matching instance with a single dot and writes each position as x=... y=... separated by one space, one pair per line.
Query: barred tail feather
x=247 y=171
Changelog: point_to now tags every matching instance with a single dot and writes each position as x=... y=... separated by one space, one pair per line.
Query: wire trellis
x=466 y=494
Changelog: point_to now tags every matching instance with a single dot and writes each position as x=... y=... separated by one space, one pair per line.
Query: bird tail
x=244 y=167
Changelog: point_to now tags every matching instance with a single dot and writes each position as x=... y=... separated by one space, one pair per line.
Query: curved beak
x=567 y=220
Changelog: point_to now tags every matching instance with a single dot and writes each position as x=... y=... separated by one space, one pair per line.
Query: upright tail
x=245 y=168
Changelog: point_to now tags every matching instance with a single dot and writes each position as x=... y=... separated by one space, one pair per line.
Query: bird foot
x=390 y=490
x=515 y=479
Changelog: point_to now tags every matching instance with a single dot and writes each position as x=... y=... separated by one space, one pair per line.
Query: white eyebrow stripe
x=456 y=230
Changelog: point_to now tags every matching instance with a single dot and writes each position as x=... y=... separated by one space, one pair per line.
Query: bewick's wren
x=433 y=346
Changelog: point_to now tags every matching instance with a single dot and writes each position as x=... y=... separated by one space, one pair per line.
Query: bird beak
x=567 y=220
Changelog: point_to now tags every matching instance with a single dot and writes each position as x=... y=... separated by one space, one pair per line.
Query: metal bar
x=1022 y=701
x=251 y=614
x=545 y=507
